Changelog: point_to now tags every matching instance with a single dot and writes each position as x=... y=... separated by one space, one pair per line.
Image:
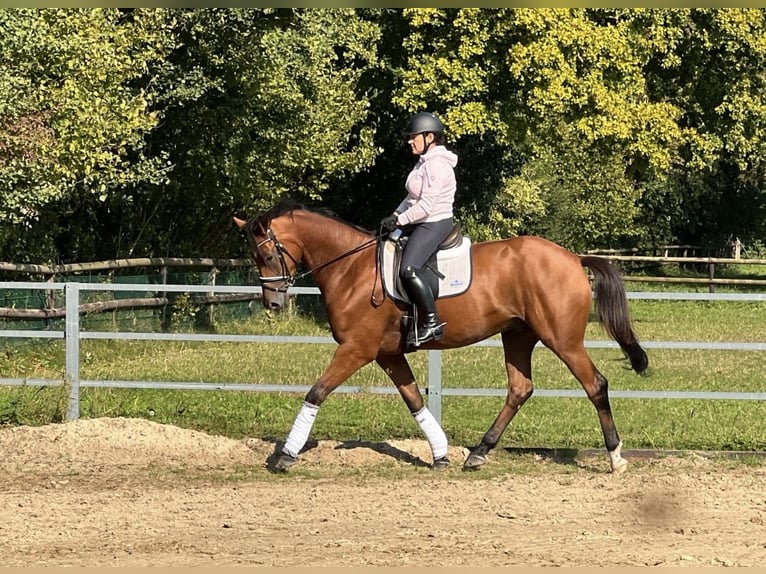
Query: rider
x=426 y=213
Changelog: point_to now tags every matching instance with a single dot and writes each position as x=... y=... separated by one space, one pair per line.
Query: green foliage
x=593 y=205
x=150 y=128
x=564 y=85
x=710 y=64
x=72 y=116
x=142 y=131
x=508 y=206
x=75 y=110
x=257 y=103
x=666 y=104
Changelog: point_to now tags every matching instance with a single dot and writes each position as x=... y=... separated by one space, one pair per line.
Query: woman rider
x=426 y=213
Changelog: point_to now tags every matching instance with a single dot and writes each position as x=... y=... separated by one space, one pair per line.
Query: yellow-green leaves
x=652 y=97
x=71 y=107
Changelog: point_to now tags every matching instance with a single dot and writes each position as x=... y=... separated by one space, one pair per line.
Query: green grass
x=542 y=422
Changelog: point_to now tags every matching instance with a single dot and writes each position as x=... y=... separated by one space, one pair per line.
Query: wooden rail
x=114 y=264
x=162 y=264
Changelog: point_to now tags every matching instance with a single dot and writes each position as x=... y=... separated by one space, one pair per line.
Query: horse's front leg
x=398 y=369
x=345 y=362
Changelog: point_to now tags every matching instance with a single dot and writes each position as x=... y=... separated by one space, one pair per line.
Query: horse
x=526 y=288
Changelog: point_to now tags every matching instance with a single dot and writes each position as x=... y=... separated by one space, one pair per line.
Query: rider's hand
x=389 y=222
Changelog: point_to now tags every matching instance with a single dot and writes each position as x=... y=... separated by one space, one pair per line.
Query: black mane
x=287 y=205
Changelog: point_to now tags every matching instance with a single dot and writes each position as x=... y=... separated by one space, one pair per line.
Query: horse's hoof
x=440 y=464
x=474 y=462
x=620 y=466
x=285 y=462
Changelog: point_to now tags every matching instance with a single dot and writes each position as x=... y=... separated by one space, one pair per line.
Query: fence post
x=50 y=298
x=72 y=339
x=164 y=315
x=211 y=280
x=434 y=389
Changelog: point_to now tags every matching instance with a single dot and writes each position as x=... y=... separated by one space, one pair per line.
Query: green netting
x=181 y=308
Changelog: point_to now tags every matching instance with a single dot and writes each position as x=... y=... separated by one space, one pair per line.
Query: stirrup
x=434 y=333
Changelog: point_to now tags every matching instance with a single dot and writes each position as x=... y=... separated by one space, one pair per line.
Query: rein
x=288 y=279
x=356 y=249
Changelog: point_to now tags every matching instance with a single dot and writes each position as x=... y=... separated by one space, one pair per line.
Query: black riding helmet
x=423 y=122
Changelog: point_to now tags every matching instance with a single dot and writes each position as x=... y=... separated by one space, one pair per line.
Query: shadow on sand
x=564 y=456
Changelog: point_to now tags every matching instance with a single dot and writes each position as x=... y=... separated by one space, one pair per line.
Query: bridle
x=288 y=279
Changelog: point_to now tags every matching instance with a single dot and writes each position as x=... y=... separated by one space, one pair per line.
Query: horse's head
x=276 y=255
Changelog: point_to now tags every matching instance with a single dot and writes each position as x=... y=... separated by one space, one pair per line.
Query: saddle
x=454 y=238
x=449 y=268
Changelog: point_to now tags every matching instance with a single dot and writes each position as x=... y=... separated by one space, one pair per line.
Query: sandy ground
x=128 y=492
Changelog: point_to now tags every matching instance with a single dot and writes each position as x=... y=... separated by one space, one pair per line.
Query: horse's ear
x=240 y=222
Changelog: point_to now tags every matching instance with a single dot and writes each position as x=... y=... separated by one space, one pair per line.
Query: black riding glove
x=389 y=222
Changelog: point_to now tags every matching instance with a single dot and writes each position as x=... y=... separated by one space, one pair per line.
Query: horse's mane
x=287 y=205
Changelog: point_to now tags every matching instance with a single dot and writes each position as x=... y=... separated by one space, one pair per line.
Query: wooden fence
x=709 y=262
x=162 y=265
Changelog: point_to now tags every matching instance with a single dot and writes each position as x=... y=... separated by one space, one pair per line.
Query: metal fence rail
x=72 y=335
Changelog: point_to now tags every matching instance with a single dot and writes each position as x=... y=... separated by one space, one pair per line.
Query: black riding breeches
x=423 y=242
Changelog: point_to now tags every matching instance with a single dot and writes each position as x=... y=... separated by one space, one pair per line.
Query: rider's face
x=419 y=142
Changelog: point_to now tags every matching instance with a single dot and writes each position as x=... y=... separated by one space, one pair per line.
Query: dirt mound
x=118 y=442
x=141 y=443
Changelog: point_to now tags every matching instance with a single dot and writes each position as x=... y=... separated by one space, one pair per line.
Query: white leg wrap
x=619 y=464
x=299 y=434
x=433 y=431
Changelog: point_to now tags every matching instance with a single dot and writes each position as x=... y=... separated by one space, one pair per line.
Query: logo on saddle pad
x=451 y=267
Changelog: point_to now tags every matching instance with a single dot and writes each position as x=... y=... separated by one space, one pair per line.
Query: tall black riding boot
x=421 y=294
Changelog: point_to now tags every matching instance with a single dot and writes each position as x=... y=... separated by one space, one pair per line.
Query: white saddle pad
x=454 y=263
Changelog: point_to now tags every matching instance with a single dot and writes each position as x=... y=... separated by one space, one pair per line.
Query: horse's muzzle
x=274 y=301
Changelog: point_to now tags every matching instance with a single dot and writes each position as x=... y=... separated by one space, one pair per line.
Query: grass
x=542 y=422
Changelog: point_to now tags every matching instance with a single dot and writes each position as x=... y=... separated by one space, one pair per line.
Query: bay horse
x=526 y=288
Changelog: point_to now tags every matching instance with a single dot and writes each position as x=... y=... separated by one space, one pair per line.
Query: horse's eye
x=269 y=258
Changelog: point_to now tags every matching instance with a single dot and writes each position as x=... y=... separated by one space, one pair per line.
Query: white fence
x=72 y=334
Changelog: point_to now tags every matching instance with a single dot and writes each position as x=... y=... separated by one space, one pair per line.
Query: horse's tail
x=613 y=312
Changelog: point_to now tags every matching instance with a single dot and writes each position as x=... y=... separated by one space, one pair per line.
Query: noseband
x=286 y=277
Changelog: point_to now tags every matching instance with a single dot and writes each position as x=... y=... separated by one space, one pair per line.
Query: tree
x=646 y=124
x=711 y=65
x=257 y=103
x=564 y=90
x=142 y=131
x=72 y=120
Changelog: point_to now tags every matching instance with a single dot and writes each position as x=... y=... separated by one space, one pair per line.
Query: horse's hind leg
x=518 y=349
x=596 y=387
